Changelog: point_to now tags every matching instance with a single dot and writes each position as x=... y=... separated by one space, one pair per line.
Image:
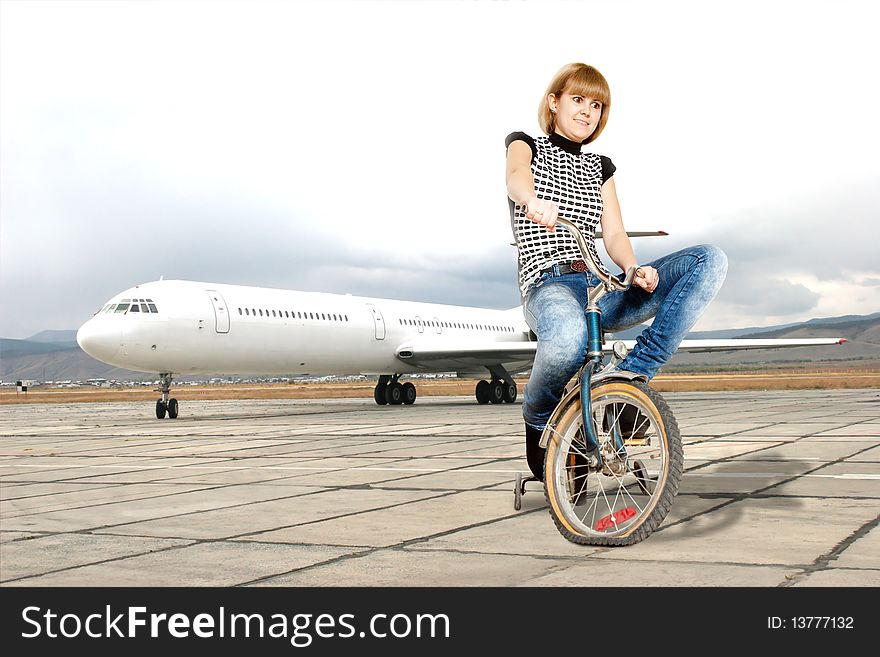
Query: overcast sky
x=359 y=147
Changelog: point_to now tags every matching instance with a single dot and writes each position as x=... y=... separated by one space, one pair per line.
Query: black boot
x=534 y=452
x=628 y=420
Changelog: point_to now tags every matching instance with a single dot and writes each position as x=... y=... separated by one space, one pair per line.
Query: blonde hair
x=578 y=80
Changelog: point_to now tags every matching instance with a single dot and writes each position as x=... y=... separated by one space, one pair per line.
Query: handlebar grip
x=628 y=279
x=611 y=282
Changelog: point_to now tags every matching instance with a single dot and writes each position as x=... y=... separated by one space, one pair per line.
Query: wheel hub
x=612 y=463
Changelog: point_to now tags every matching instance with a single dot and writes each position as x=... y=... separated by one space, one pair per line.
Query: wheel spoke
x=625 y=489
x=641 y=428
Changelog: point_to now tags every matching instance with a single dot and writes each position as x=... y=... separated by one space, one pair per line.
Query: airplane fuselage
x=206 y=328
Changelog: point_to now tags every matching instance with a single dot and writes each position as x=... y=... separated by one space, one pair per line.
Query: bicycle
x=614 y=456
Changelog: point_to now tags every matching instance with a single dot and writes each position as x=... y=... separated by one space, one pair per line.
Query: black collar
x=565 y=144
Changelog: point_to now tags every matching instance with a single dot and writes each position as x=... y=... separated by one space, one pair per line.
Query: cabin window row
x=131 y=306
x=458 y=325
x=291 y=314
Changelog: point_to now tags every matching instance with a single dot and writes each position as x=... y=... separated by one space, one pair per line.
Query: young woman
x=549 y=177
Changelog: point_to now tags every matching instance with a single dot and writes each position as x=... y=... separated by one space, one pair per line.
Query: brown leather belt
x=575 y=266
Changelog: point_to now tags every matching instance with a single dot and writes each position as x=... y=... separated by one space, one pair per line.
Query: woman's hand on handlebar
x=542 y=211
x=646 y=278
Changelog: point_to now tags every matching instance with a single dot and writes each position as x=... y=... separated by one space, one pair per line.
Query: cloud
x=790 y=257
x=485 y=280
x=148 y=139
x=761 y=296
x=136 y=236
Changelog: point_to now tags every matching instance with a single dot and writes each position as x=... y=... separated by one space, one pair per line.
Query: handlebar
x=610 y=283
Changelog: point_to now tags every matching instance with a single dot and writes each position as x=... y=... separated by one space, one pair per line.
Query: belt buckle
x=578 y=265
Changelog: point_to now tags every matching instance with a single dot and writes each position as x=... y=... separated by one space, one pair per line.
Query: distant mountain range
x=58 y=337
x=55 y=355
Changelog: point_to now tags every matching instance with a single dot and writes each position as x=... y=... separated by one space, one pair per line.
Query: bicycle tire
x=625 y=500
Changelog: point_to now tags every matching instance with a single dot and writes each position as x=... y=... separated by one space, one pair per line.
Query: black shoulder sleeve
x=608 y=168
x=521 y=136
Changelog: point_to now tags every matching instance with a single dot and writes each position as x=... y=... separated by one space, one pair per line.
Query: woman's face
x=576 y=116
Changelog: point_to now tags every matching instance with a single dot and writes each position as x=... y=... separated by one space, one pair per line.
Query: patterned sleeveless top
x=571 y=179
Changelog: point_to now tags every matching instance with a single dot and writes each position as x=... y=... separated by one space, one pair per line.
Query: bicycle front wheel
x=622 y=494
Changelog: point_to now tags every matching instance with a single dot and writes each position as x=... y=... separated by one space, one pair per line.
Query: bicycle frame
x=595 y=340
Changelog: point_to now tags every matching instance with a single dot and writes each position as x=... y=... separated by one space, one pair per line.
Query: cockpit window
x=131 y=306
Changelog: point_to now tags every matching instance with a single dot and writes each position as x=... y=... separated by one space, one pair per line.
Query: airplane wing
x=639 y=233
x=701 y=346
x=435 y=354
x=631 y=233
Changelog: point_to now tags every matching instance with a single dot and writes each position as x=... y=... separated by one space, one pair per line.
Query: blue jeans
x=554 y=310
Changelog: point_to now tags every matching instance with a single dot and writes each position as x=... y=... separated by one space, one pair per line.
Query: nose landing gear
x=167 y=404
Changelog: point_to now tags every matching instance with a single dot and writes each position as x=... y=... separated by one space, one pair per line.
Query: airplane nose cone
x=99 y=339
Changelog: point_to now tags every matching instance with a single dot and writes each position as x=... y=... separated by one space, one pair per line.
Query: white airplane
x=184 y=327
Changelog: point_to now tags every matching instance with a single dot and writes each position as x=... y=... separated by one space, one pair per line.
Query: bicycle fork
x=594 y=362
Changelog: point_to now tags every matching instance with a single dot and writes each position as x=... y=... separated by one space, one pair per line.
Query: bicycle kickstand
x=519 y=488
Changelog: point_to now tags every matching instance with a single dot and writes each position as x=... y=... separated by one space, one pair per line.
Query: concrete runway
x=780 y=489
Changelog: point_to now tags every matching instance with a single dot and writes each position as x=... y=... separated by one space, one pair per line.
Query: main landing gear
x=166 y=405
x=391 y=391
x=495 y=392
x=500 y=389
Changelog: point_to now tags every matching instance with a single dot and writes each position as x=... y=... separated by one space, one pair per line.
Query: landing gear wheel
x=496 y=392
x=625 y=500
x=394 y=393
x=379 y=393
x=510 y=392
x=409 y=393
x=483 y=392
x=165 y=405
